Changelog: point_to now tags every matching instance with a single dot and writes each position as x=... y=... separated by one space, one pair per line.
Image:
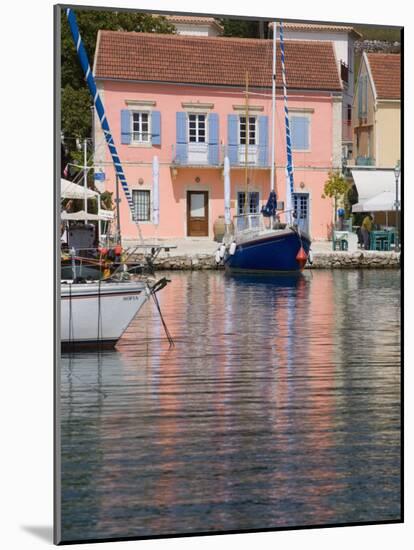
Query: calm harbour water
x=279 y=406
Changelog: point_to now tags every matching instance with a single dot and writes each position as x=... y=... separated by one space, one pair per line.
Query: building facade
x=183 y=99
x=192 y=25
x=377 y=111
x=343 y=38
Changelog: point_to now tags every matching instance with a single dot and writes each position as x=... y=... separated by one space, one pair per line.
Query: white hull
x=95 y=312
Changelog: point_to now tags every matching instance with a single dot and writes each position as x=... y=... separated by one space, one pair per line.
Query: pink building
x=182 y=98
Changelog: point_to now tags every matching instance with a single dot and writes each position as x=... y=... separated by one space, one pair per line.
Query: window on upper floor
x=300 y=132
x=249 y=130
x=141 y=131
x=344 y=72
x=142 y=204
x=362 y=96
x=197 y=128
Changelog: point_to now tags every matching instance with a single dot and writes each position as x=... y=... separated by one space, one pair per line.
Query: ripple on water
x=279 y=406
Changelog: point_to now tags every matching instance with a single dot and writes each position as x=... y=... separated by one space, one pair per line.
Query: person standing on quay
x=366 y=229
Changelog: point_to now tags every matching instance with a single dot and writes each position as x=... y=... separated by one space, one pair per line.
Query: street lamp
x=397 y=171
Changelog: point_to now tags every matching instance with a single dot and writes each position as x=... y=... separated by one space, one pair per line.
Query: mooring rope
x=153 y=292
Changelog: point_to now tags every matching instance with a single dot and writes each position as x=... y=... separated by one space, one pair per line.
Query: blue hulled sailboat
x=259 y=243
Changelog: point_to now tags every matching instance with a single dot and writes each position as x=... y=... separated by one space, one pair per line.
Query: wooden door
x=197 y=213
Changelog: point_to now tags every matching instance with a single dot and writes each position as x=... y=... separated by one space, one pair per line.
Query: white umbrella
x=227 y=217
x=155 y=191
x=70 y=190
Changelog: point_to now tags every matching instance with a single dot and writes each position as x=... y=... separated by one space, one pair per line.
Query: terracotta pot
x=219 y=227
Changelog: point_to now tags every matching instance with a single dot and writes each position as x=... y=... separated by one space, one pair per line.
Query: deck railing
x=249 y=222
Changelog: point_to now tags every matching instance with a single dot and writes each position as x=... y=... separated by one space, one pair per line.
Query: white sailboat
x=97 y=314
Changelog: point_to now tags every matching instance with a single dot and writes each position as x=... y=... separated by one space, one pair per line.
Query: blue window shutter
x=233 y=138
x=181 y=150
x=263 y=140
x=125 y=127
x=300 y=132
x=213 y=138
x=156 y=127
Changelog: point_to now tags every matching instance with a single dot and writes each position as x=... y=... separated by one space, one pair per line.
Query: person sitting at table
x=366 y=229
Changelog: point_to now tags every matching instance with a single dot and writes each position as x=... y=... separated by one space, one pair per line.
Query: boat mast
x=289 y=159
x=272 y=174
x=90 y=81
x=85 y=177
x=246 y=151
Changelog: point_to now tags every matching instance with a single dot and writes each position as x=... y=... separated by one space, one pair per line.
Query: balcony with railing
x=365 y=161
x=212 y=156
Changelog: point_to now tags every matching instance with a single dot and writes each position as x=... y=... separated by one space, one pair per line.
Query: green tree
x=76 y=100
x=244 y=28
x=335 y=187
x=76 y=113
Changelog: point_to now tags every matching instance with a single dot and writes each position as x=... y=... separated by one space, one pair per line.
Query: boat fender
x=301 y=258
x=218 y=257
x=118 y=250
x=233 y=247
x=310 y=257
x=222 y=250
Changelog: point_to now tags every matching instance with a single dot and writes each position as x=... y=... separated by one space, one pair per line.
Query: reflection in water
x=279 y=406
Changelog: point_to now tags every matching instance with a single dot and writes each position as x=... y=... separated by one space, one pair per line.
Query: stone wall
x=381 y=46
x=322 y=260
x=355 y=260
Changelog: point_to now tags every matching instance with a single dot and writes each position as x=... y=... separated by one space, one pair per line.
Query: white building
x=195 y=26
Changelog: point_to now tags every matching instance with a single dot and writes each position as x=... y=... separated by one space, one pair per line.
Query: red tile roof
x=310 y=65
x=386 y=73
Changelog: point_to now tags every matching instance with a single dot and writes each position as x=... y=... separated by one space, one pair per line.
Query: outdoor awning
x=380 y=203
x=82 y=216
x=376 y=190
x=70 y=190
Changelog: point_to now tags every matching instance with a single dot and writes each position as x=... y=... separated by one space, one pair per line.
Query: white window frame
x=197 y=142
x=239 y=203
x=141 y=142
x=309 y=206
x=137 y=191
x=256 y=131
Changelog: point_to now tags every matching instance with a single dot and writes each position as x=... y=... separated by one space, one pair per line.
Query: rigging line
x=100 y=335
x=70 y=315
x=273 y=49
x=287 y=122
